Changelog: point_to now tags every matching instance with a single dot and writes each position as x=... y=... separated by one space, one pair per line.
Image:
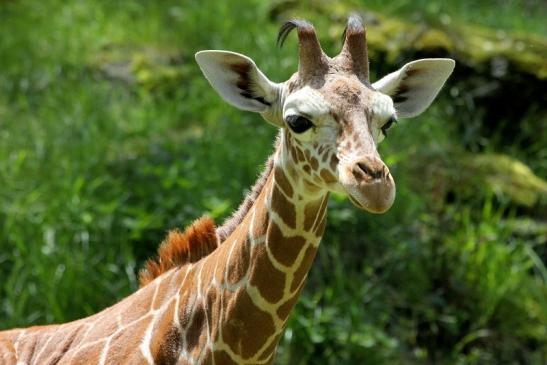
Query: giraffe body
x=225 y=295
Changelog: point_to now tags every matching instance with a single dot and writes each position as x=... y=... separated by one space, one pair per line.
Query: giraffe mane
x=179 y=248
x=236 y=218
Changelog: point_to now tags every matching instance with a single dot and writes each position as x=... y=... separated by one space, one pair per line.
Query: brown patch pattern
x=222 y=357
x=246 y=327
x=237 y=267
x=120 y=352
x=284 y=208
x=283 y=183
x=302 y=271
x=167 y=340
x=267 y=273
x=196 y=329
x=284 y=249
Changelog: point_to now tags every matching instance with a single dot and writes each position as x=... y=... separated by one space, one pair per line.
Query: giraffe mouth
x=376 y=197
x=355 y=202
x=374 y=194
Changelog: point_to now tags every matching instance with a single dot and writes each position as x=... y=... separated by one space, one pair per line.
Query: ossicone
x=354 y=51
x=312 y=59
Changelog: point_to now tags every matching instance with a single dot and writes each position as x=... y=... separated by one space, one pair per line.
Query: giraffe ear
x=237 y=79
x=414 y=86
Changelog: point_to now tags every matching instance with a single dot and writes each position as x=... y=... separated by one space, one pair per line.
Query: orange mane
x=179 y=248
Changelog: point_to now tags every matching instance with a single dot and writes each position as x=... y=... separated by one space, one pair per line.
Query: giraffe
x=222 y=295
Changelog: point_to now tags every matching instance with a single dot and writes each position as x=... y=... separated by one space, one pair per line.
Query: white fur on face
x=307 y=102
x=382 y=110
x=310 y=104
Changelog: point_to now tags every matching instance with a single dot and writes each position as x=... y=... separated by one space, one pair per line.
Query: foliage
x=110 y=136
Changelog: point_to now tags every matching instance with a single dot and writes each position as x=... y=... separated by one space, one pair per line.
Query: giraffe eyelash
x=298 y=123
x=387 y=125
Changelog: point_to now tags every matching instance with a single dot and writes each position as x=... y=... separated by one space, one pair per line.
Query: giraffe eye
x=298 y=123
x=388 y=124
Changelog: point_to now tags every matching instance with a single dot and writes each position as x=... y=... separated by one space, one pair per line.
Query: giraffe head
x=332 y=117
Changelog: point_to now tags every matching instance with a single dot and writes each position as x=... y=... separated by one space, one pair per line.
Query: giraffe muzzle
x=369 y=184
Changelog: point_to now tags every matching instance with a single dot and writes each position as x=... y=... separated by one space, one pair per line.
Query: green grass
x=110 y=136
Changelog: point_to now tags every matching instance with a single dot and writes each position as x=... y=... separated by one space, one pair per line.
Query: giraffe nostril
x=364 y=168
x=374 y=172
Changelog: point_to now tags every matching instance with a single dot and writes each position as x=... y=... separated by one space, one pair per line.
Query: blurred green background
x=110 y=136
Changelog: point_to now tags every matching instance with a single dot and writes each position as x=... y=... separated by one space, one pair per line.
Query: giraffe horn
x=355 y=47
x=311 y=56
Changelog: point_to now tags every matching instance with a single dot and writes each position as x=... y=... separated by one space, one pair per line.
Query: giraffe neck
x=270 y=254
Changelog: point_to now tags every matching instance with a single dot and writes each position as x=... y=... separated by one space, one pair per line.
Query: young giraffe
x=223 y=296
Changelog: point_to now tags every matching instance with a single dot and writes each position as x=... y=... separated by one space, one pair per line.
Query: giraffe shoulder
x=179 y=248
x=8 y=353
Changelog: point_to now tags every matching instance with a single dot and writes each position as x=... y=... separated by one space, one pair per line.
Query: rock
x=508 y=177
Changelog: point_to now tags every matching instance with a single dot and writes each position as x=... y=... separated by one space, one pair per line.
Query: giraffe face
x=333 y=132
x=332 y=117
